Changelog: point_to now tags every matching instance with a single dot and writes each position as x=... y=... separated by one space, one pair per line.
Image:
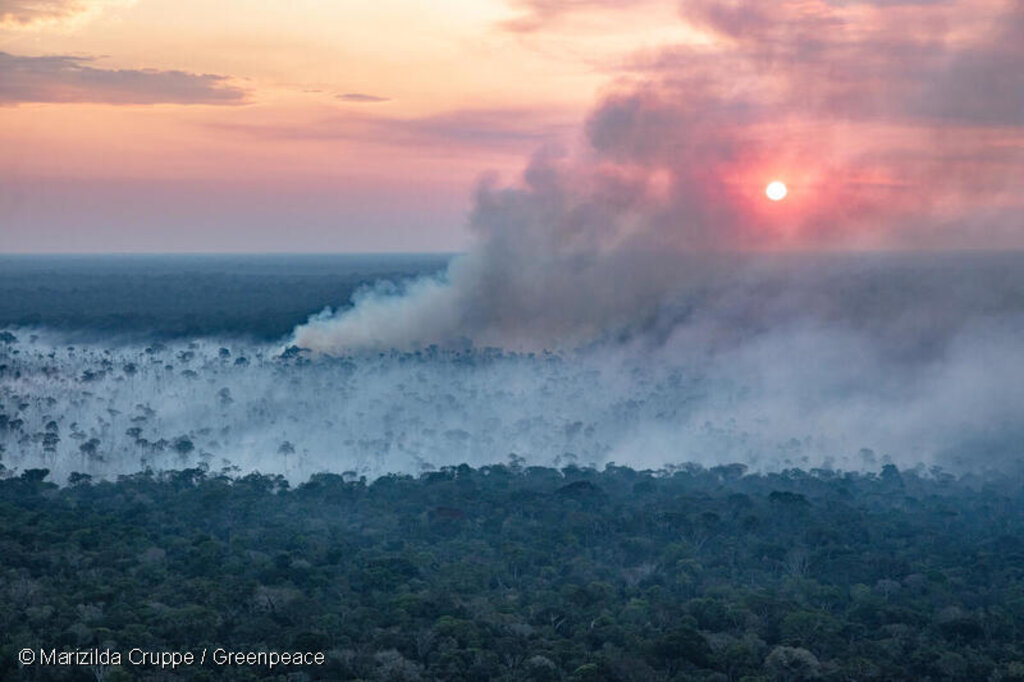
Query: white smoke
x=553 y=266
x=805 y=362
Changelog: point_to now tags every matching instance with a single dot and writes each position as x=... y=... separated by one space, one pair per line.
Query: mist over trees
x=771 y=397
x=818 y=477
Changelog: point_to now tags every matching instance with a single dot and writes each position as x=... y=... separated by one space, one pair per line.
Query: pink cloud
x=882 y=117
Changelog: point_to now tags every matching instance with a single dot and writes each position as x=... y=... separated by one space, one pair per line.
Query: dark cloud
x=361 y=97
x=890 y=59
x=71 y=79
x=540 y=14
x=984 y=83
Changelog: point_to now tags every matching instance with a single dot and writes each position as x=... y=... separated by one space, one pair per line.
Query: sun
x=776 y=190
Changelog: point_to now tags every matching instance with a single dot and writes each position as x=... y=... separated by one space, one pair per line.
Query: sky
x=351 y=125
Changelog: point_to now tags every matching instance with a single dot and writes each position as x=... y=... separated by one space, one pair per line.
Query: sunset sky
x=351 y=125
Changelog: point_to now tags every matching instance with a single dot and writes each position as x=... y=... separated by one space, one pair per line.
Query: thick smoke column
x=581 y=248
x=554 y=264
x=873 y=147
x=695 y=312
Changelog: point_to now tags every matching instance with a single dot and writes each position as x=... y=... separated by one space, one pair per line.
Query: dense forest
x=509 y=572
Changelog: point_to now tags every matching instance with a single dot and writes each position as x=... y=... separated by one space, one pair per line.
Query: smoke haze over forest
x=836 y=361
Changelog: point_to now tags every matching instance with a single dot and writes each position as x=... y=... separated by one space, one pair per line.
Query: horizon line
x=714 y=252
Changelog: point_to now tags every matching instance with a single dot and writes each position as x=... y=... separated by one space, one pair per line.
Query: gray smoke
x=847 y=362
x=889 y=137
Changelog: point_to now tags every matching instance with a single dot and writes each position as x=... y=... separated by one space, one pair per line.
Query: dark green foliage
x=524 y=573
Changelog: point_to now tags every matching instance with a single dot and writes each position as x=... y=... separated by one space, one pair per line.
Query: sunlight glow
x=776 y=190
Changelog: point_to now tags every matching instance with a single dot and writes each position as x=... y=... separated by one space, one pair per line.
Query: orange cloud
x=28 y=14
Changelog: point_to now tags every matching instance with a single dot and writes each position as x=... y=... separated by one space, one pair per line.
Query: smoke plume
x=895 y=125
